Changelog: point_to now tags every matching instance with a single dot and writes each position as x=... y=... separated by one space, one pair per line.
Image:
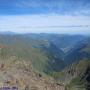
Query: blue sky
x=61 y=7
x=50 y=16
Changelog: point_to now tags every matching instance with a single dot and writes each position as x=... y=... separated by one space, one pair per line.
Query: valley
x=45 y=61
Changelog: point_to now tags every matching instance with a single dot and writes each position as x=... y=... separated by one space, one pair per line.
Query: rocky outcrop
x=19 y=74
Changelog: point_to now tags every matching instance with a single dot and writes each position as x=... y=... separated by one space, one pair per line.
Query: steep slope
x=75 y=76
x=81 y=81
x=79 y=52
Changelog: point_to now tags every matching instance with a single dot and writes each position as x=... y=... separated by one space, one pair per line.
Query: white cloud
x=45 y=23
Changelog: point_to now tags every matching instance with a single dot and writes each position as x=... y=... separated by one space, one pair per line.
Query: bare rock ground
x=18 y=74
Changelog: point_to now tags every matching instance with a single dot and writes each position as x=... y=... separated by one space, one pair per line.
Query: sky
x=45 y=16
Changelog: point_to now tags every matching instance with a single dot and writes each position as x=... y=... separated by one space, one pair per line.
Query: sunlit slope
x=44 y=55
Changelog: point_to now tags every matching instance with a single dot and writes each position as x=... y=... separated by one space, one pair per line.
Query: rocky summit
x=18 y=74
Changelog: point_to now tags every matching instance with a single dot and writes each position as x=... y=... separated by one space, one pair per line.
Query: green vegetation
x=80 y=81
x=59 y=57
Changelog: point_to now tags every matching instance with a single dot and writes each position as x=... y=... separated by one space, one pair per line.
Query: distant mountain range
x=8 y=33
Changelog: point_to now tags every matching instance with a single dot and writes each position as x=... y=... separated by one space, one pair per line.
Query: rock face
x=19 y=74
